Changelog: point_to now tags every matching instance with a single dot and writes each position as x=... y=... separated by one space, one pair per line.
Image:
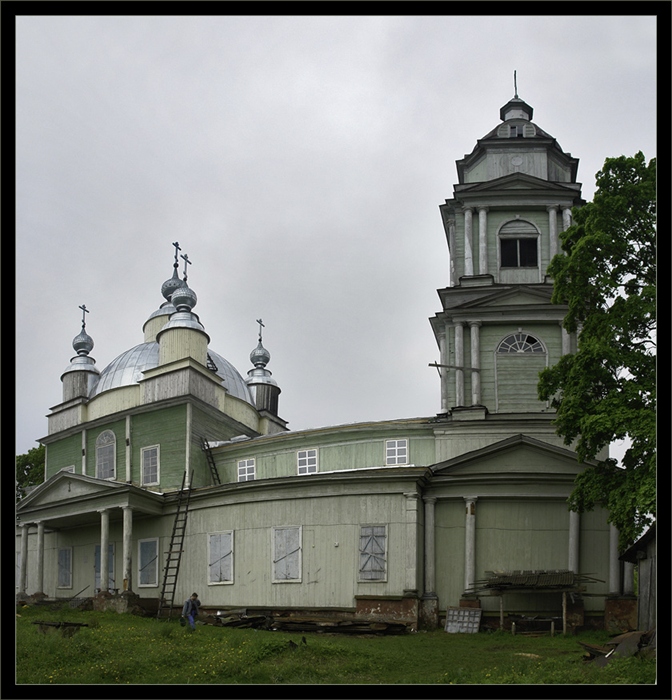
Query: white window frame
x=64 y=575
x=393 y=448
x=155 y=580
x=280 y=562
x=143 y=451
x=70 y=469
x=223 y=536
x=247 y=469
x=366 y=533
x=106 y=439
x=307 y=461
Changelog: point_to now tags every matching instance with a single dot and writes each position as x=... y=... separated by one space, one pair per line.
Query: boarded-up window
x=373 y=553
x=105 y=457
x=518 y=360
x=65 y=567
x=286 y=554
x=220 y=557
x=148 y=562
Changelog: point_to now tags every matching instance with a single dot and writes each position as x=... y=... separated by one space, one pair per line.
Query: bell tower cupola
x=81 y=375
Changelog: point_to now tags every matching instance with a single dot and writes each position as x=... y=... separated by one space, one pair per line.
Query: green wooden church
x=169 y=471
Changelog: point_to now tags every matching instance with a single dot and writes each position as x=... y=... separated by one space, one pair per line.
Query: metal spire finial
x=261 y=325
x=186 y=262
x=84 y=312
x=515 y=85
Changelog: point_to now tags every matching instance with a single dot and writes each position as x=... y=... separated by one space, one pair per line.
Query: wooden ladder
x=211 y=461
x=175 y=549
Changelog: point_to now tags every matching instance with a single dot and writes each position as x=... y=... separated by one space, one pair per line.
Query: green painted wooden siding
x=64 y=453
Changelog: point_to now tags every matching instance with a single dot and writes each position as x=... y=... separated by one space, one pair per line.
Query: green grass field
x=126 y=649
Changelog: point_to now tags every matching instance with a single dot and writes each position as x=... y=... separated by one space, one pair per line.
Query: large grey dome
x=127 y=369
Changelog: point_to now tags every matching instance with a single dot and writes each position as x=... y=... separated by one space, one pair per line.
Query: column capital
x=467 y=208
x=470 y=498
x=481 y=208
x=474 y=323
x=430 y=500
x=411 y=495
x=552 y=207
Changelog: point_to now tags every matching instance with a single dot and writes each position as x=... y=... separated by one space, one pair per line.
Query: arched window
x=520 y=342
x=519 y=357
x=105 y=455
x=518 y=245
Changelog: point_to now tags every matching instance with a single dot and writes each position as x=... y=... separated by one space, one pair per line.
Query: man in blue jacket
x=190 y=611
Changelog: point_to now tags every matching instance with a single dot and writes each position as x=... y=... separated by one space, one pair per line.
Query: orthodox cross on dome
x=177 y=249
x=186 y=262
x=261 y=325
x=84 y=312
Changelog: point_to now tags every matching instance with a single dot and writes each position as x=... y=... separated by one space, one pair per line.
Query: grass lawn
x=126 y=649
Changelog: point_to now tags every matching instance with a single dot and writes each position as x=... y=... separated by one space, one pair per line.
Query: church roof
x=128 y=367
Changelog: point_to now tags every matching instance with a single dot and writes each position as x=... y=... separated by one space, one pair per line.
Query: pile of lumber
x=308 y=624
x=628 y=644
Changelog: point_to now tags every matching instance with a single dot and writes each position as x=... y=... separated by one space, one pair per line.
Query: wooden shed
x=643 y=554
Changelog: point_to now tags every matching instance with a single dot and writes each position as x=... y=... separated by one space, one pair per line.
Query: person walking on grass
x=190 y=611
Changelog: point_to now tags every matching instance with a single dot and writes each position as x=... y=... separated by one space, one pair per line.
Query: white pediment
x=66 y=486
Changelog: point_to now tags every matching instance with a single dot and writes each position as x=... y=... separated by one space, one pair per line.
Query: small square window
x=246 y=470
x=396 y=452
x=306 y=461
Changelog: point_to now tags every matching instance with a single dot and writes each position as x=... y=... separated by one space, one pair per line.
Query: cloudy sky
x=300 y=162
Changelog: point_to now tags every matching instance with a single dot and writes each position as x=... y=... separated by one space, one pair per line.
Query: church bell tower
x=497 y=328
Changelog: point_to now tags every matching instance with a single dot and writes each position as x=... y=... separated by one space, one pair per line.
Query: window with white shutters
x=373 y=553
x=286 y=554
x=220 y=557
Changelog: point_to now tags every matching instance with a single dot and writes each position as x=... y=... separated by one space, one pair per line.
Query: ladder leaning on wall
x=175 y=549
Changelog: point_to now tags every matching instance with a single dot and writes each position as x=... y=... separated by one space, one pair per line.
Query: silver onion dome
x=82 y=343
x=260 y=357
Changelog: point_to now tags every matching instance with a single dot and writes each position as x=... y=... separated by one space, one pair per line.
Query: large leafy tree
x=29 y=470
x=606 y=391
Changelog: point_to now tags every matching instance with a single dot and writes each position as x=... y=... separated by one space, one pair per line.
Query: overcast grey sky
x=300 y=162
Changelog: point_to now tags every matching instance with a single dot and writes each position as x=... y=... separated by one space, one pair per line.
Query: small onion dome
x=169 y=286
x=183 y=298
x=260 y=357
x=83 y=343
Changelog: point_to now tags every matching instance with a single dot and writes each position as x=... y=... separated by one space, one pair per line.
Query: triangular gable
x=515 y=181
x=64 y=486
x=518 y=295
x=519 y=454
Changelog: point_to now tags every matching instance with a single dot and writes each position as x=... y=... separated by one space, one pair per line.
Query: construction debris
x=305 y=624
x=67 y=628
x=638 y=643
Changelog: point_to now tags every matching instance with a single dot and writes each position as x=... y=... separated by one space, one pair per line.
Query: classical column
x=553 y=229
x=430 y=554
x=483 y=240
x=574 y=537
x=468 y=255
x=459 y=364
x=411 y=585
x=104 y=544
x=566 y=218
x=566 y=348
x=614 y=564
x=40 y=557
x=127 y=557
x=470 y=543
x=451 y=250
x=23 y=564
x=443 y=351
x=475 y=362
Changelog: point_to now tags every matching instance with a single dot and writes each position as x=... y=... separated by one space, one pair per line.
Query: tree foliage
x=606 y=391
x=29 y=470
